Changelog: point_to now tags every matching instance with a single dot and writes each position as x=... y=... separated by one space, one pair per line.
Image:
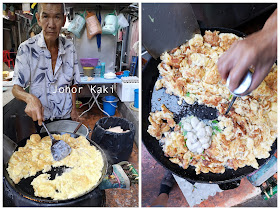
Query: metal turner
x=243 y=87
x=59 y=149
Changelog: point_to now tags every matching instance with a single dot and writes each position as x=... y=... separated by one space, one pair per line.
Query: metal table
x=96 y=81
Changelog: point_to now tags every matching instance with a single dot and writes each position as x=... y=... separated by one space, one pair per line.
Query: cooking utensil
x=67 y=126
x=60 y=149
x=166 y=26
x=152 y=100
x=242 y=88
x=230 y=105
x=77 y=128
x=25 y=188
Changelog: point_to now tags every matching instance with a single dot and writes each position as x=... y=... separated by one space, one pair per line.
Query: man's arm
x=34 y=108
x=76 y=80
x=74 y=113
x=258 y=49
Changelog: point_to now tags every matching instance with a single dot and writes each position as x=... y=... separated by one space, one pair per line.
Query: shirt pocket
x=65 y=78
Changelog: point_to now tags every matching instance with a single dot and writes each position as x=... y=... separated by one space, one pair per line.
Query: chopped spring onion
x=186 y=142
x=188 y=94
x=180 y=124
x=191 y=158
x=185 y=133
x=230 y=97
x=217 y=128
x=203 y=158
x=215 y=121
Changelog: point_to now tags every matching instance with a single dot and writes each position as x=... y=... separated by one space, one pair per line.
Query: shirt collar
x=42 y=43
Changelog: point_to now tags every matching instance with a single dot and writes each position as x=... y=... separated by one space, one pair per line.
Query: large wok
x=152 y=100
x=25 y=188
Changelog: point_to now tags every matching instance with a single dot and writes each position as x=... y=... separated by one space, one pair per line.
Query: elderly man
x=47 y=62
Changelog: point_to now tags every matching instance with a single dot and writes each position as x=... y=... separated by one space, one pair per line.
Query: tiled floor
x=114 y=197
x=152 y=173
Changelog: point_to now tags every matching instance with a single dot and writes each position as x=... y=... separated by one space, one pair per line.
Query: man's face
x=51 y=19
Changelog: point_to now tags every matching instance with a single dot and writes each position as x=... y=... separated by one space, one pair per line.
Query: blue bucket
x=110 y=104
x=136 y=98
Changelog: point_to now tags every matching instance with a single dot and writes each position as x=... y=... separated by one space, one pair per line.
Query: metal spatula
x=59 y=148
x=166 y=26
x=242 y=88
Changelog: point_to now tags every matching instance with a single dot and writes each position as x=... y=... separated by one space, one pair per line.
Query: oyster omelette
x=84 y=167
x=245 y=134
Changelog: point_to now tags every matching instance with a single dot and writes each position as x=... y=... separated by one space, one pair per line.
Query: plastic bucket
x=110 y=104
x=88 y=71
x=136 y=98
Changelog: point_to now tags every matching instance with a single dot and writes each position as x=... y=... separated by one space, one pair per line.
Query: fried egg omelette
x=84 y=167
x=247 y=132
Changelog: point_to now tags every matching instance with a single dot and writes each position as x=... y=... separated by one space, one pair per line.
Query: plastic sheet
x=117 y=146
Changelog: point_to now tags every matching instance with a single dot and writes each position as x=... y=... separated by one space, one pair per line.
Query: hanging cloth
x=98 y=36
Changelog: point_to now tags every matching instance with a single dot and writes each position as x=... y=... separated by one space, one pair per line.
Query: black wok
x=25 y=188
x=152 y=100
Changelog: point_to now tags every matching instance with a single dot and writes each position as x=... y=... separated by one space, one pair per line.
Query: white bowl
x=110 y=75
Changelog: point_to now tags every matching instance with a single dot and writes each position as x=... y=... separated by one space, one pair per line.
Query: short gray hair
x=62 y=7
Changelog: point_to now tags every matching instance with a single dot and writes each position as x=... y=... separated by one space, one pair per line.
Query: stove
x=11 y=198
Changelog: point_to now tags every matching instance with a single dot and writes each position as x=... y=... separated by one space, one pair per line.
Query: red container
x=89 y=62
x=119 y=73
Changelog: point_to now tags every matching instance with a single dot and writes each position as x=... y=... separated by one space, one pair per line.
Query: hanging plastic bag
x=93 y=25
x=76 y=26
x=110 y=24
x=122 y=21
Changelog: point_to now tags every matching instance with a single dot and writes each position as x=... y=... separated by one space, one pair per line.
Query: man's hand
x=74 y=114
x=34 y=109
x=258 y=50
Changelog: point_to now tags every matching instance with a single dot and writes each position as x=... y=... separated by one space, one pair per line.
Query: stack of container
x=125 y=90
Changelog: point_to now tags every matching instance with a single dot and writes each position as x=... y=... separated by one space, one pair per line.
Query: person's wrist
x=29 y=98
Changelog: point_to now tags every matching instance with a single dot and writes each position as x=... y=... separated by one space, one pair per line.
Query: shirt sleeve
x=22 y=68
x=76 y=75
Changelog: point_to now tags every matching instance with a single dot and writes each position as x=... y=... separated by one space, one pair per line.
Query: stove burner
x=11 y=198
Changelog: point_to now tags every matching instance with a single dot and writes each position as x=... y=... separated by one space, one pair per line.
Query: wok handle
x=118 y=179
x=89 y=129
x=230 y=185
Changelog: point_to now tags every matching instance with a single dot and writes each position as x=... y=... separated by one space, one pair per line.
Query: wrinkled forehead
x=51 y=8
